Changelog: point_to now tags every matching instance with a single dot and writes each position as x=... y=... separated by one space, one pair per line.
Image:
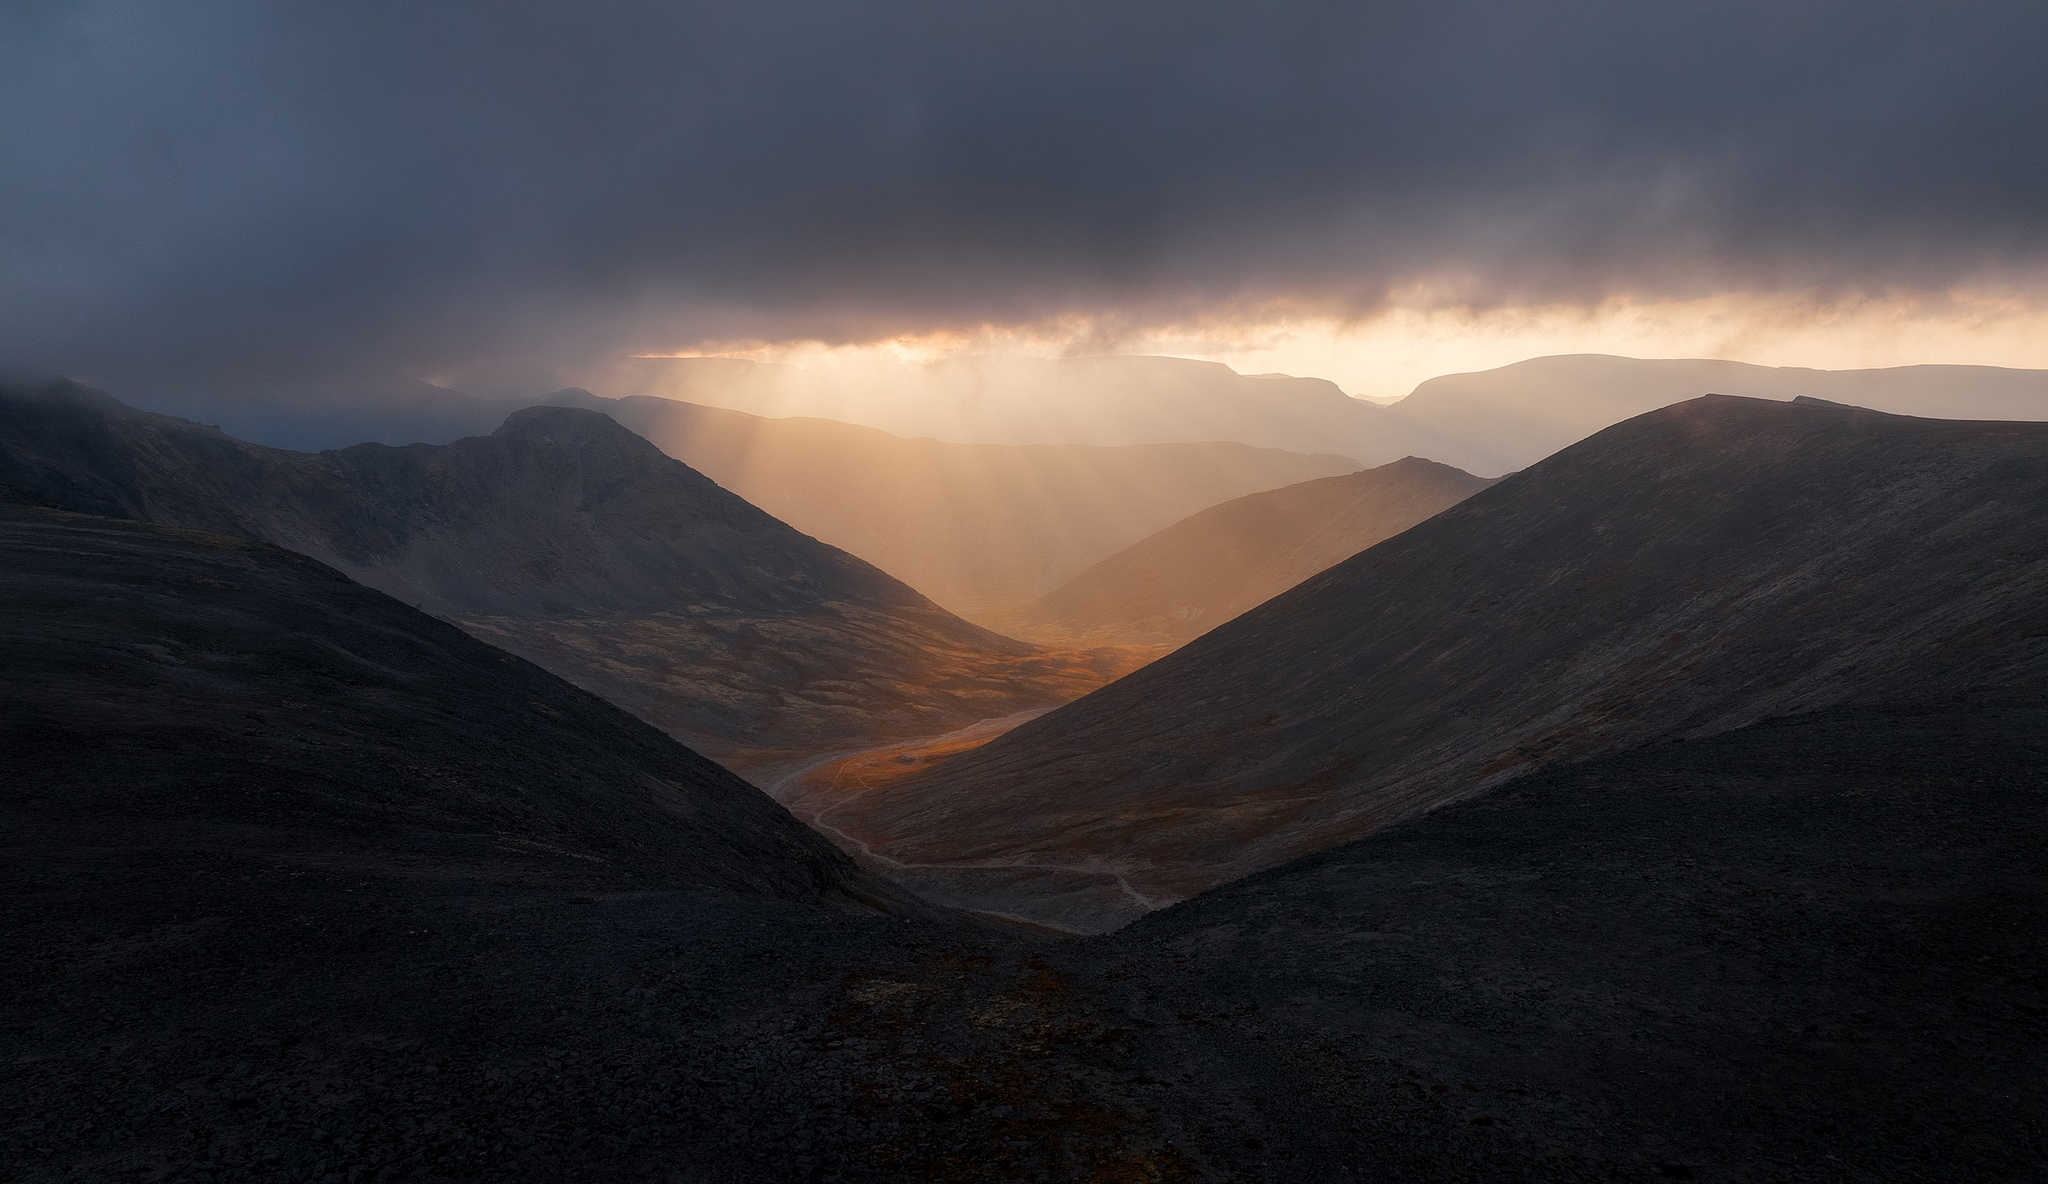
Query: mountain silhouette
x=1692 y=570
x=1178 y=584
x=571 y=541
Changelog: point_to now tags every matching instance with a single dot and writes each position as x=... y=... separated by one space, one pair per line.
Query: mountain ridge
x=576 y=543
x=1172 y=586
x=1692 y=570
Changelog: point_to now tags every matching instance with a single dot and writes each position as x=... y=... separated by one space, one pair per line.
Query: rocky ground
x=413 y=915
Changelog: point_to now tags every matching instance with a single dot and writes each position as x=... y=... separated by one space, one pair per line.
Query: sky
x=492 y=195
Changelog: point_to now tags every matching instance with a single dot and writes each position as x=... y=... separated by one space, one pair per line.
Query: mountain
x=573 y=542
x=303 y=884
x=1808 y=948
x=1496 y=421
x=189 y=694
x=1178 y=584
x=1692 y=570
x=1016 y=400
x=977 y=527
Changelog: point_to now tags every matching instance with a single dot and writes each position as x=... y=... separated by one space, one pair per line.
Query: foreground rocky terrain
x=1694 y=570
x=302 y=885
x=1171 y=587
x=571 y=541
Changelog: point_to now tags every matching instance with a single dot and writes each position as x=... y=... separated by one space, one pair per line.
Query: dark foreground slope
x=979 y=527
x=573 y=542
x=180 y=696
x=425 y=919
x=1812 y=949
x=1171 y=587
x=1691 y=571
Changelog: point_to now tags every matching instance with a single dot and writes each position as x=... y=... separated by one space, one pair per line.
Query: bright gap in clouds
x=1383 y=356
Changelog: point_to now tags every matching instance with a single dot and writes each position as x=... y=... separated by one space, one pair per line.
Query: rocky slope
x=1690 y=571
x=177 y=694
x=1174 y=586
x=302 y=885
x=574 y=542
x=978 y=527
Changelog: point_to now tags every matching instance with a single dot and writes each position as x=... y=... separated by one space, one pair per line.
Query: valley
x=1480 y=853
x=577 y=544
x=1768 y=559
x=1092 y=593
x=980 y=528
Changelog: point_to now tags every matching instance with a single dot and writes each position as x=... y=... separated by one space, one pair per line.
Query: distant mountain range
x=979 y=528
x=1496 y=421
x=574 y=542
x=1489 y=422
x=1178 y=584
x=1693 y=570
x=1105 y=401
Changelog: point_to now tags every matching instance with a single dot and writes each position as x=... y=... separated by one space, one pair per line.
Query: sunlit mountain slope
x=1178 y=584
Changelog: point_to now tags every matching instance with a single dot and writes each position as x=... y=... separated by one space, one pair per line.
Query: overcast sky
x=219 y=188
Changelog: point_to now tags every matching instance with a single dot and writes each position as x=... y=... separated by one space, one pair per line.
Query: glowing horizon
x=1386 y=354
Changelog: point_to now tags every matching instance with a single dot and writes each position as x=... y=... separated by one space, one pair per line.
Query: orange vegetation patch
x=879 y=767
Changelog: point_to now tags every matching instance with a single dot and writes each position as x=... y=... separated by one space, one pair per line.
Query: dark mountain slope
x=574 y=542
x=1693 y=570
x=1815 y=948
x=1174 y=586
x=979 y=527
x=302 y=885
x=180 y=691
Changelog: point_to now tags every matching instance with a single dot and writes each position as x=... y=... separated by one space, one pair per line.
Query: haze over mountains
x=1020 y=400
x=977 y=527
x=1489 y=422
x=574 y=542
x=1178 y=584
x=1500 y=420
x=1691 y=571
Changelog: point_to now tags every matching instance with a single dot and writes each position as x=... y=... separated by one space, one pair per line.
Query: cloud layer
x=212 y=187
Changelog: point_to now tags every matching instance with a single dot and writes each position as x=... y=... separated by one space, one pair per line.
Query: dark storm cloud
x=422 y=185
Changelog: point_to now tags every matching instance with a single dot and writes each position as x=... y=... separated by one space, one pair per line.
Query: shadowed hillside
x=1176 y=585
x=1691 y=571
x=978 y=527
x=573 y=542
x=196 y=694
x=304 y=885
